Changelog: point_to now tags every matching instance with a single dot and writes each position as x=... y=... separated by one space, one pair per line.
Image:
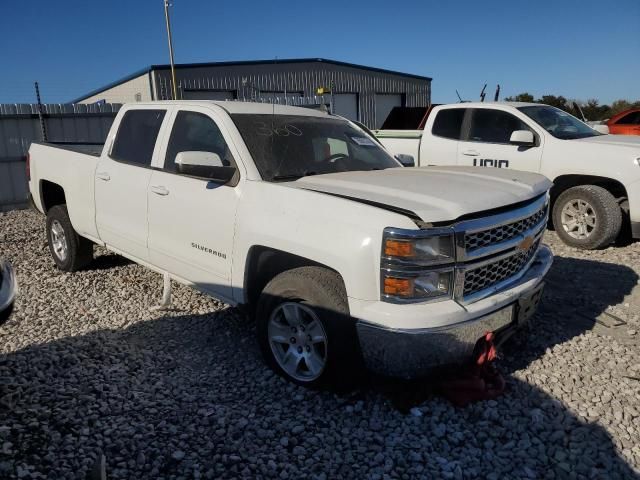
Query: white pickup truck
x=339 y=253
x=596 y=177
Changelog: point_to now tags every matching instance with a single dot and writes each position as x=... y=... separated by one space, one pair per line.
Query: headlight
x=637 y=161
x=421 y=247
x=417 y=265
x=424 y=286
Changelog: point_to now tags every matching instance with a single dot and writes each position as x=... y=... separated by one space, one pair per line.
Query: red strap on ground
x=481 y=380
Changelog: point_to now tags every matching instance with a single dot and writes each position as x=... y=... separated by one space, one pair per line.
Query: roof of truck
x=257 y=108
x=489 y=104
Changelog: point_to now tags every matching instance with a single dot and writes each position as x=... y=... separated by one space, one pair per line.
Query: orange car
x=625 y=123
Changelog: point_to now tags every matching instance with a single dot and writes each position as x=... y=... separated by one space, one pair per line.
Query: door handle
x=159 y=190
x=470 y=153
x=103 y=176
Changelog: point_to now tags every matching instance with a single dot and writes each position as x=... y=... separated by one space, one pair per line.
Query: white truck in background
x=596 y=177
x=339 y=253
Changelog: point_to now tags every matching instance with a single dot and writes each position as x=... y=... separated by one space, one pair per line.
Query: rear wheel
x=304 y=328
x=70 y=251
x=587 y=217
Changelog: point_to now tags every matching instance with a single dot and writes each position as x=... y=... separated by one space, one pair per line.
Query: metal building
x=360 y=93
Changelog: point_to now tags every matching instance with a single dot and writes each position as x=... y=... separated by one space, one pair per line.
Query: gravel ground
x=86 y=369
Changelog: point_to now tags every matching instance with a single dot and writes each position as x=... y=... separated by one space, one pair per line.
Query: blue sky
x=579 y=49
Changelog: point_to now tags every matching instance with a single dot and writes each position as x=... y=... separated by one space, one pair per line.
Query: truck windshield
x=558 y=123
x=286 y=147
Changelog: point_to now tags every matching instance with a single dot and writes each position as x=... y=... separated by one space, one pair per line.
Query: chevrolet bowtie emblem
x=525 y=244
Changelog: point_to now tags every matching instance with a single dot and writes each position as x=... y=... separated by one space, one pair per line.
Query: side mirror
x=8 y=290
x=604 y=129
x=523 y=138
x=203 y=159
x=206 y=165
x=406 y=160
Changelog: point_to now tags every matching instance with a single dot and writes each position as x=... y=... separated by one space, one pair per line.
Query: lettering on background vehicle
x=208 y=250
x=490 y=162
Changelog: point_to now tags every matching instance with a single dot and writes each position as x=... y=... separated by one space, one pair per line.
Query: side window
x=632 y=118
x=448 y=123
x=493 y=126
x=136 y=137
x=193 y=131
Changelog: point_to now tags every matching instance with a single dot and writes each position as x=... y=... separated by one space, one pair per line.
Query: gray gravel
x=89 y=372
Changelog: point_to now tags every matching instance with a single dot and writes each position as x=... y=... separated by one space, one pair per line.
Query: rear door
x=191 y=220
x=440 y=145
x=122 y=179
x=485 y=141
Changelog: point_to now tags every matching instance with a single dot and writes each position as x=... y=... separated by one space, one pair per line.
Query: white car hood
x=435 y=194
x=615 y=140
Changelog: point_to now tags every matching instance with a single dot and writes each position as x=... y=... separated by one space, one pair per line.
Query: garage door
x=346 y=104
x=384 y=104
x=208 y=95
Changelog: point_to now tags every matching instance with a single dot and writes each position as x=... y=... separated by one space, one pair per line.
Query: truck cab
x=596 y=177
x=341 y=256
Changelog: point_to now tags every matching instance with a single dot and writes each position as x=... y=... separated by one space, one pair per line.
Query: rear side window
x=493 y=126
x=448 y=123
x=136 y=137
x=632 y=118
x=193 y=131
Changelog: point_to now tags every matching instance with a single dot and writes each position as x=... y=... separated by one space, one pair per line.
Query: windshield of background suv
x=286 y=147
x=558 y=123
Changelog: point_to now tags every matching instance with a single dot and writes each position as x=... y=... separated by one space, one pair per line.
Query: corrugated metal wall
x=247 y=81
x=20 y=125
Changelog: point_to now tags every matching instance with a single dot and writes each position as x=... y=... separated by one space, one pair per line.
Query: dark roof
x=244 y=62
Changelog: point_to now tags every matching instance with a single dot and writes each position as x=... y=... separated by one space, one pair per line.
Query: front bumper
x=448 y=330
x=8 y=290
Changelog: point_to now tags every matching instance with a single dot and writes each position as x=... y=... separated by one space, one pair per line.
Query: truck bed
x=70 y=167
x=94 y=149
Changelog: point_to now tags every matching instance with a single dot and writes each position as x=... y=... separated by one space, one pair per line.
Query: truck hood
x=434 y=194
x=615 y=140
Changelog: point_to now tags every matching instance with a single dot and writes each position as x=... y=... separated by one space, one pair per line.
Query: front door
x=122 y=180
x=485 y=142
x=191 y=220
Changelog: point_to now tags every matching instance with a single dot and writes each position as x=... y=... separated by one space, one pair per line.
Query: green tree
x=620 y=106
x=521 y=97
x=558 y=102
x=594 y=111
x=591 y=108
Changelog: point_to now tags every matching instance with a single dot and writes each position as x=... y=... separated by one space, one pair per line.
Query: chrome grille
x=483 y=277
x=491 y=236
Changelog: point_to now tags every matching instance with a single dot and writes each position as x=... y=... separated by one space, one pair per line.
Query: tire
x=70 y=251
x=300 y=297
x=601 y=221
x=5 y=314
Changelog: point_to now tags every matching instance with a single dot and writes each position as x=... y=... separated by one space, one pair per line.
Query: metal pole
x=173 y=68
x=332 y=103
x=43 y=127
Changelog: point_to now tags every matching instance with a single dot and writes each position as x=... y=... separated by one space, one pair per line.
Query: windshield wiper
x=293 y=176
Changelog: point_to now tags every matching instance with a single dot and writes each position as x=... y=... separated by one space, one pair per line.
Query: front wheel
x=304 y=328
x=587 y=217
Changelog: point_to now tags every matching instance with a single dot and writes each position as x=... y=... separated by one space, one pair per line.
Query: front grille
x=492 y=236
x=480 y=278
